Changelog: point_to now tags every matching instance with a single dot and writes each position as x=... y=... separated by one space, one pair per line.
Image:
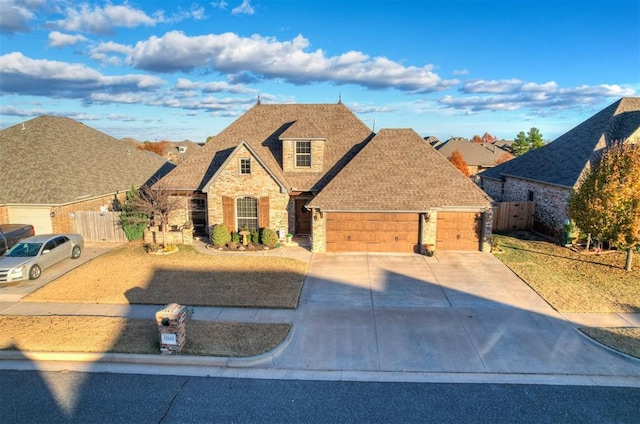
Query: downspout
x=483 y=230
x=420 y=218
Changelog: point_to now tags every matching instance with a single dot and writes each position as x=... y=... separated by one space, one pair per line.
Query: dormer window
x=245 y=166
x=303 y=154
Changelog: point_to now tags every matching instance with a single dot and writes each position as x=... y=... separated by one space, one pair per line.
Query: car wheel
x=34 y=272
x=75 y=252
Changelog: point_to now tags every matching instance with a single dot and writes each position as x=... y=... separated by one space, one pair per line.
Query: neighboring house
x=53 y=167
x=316 y=169
x=433 y=140
x=477 y=156
x=179 y=151
x=549 y=175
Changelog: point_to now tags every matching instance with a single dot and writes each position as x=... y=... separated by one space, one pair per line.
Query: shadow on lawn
x=481 y=333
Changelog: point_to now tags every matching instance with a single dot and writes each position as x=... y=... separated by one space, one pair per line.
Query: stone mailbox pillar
x=171 y=322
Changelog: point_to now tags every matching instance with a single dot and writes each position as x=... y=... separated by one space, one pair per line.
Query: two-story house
x=317 y=169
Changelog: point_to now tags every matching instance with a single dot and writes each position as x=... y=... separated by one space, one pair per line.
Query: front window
x=303 y=154
x=24 y=250
x=245 y=166
x=247 y=212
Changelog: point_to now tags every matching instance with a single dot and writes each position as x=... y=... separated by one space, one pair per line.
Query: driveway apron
x=459 y=312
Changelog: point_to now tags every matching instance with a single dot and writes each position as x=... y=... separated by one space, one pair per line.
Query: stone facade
x=319 y=232
x=258 y=184
x=289 y=156
x=551 y=200
x=429 y=225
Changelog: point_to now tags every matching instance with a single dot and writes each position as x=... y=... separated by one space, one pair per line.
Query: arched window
x=247 y=212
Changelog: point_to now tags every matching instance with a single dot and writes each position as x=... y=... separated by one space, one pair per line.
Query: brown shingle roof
x=474 y=154
x=262 y=127
x=563 y=161
x=399 y=171
x=53 y=160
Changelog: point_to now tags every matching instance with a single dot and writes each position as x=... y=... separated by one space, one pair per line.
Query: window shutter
x=263 y=212
x=228 y=213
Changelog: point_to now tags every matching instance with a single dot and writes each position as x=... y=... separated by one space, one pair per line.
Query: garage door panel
x=372 y=232
x=458 y=231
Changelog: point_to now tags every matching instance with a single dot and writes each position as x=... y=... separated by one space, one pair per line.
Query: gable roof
x=230 y=158
x=399 y=171
x=262 y=127
x=474 y=154
x=563 y=161
x=52 y=160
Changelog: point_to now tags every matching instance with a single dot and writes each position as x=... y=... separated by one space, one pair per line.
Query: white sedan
x=30 y=256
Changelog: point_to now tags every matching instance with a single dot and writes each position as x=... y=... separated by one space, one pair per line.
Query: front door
x=303 y=217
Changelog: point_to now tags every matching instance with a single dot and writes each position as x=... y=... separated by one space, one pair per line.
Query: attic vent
x=182 y=149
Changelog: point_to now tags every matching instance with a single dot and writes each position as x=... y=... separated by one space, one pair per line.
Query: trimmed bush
x=269 y=237
x=255 y=237
x=235 y=237
x=220 y=235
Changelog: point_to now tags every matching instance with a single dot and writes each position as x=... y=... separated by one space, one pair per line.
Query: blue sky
x=175 y=70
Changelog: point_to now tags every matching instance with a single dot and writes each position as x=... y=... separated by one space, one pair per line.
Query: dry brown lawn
x=122 y=335
x=571 y=281
x=128 y=275
x=625 y=340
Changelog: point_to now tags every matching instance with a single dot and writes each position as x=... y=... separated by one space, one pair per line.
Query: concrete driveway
x=459 y=312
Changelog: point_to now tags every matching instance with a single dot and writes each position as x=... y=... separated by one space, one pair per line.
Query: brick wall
x=61 y=222
x=4 y=215
x=258 y=184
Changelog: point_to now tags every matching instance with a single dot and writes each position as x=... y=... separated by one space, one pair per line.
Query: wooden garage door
x=458 y=231
x=372 y=232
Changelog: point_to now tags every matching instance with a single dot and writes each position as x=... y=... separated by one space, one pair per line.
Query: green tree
x=520 y=145
x=133 y=222
x=535 y=139
x=607 y=202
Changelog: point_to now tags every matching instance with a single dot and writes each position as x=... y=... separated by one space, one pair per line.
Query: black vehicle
x=10 y=234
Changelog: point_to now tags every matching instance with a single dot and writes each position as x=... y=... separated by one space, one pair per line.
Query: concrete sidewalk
x=459 y=316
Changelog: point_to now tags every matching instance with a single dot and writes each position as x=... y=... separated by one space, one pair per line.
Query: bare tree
x=160 y=203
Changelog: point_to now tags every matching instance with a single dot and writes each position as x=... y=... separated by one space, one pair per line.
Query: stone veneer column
x=319 y=232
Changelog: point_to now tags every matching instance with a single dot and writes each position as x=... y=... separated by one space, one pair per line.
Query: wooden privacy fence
x=513 y=216
x=99 y=227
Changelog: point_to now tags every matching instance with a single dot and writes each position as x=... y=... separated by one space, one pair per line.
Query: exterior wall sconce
x=52 y=214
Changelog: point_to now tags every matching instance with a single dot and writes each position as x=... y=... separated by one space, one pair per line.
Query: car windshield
x=24 y=250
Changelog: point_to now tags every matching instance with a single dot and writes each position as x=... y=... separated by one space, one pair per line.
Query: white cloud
x=23 y=75
x=102 y=20
x=461 y=72
x=58 y=39
x=244 y=9
x=16 y=15
x=219 y=4
x=213 y=87
x=538 y=99
x=266 y=57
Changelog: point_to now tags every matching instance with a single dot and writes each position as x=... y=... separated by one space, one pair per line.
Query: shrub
x=220 y=235
x=134 y=231
x=235 y=237
x=255 y=236
x=269 y=237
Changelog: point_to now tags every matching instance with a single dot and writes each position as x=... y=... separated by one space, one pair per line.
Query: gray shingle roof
x=399 y=171
x=52 y=160
x=261 y=127
x=563 y=161
x=474 y=154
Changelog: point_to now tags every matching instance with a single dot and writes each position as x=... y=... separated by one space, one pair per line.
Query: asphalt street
x=72 y=397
